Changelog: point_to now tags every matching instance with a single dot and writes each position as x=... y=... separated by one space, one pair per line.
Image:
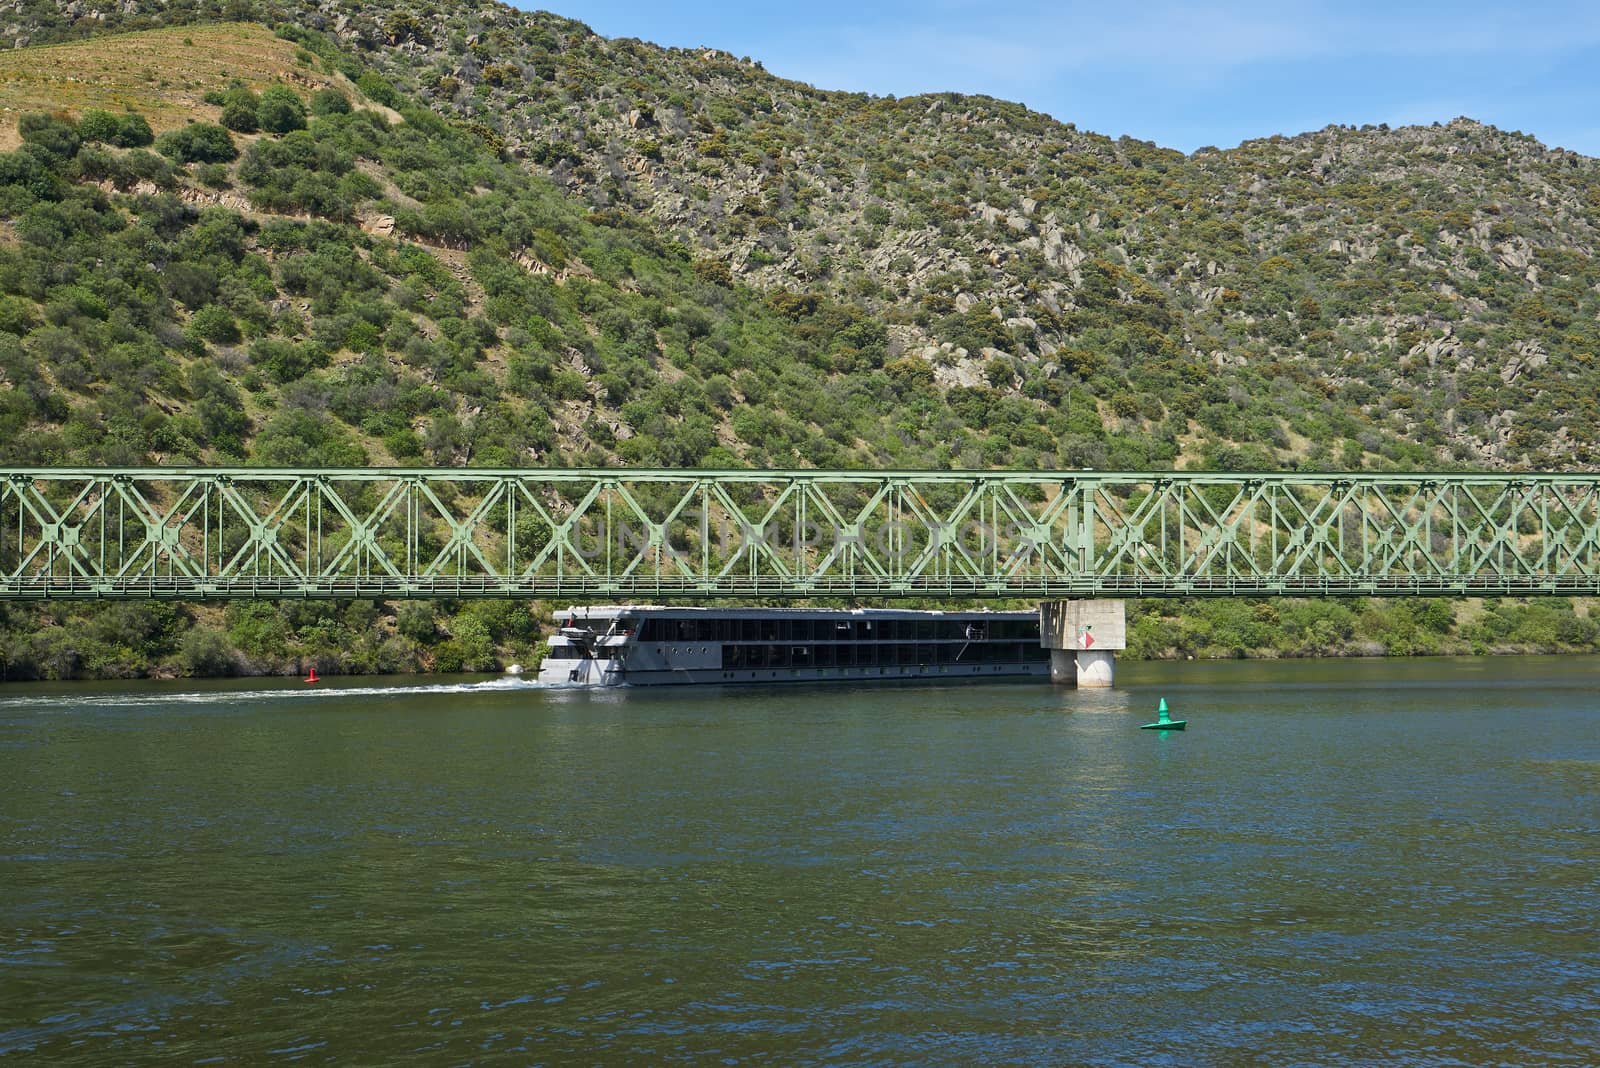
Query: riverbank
x=1285 y=627
x=133 y=639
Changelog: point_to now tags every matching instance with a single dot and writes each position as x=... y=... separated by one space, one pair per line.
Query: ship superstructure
x=618 y=645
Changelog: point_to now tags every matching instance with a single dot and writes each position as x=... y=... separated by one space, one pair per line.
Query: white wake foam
x=306 y=691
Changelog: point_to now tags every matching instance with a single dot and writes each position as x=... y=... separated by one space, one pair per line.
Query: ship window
x=826 y=655
x=801 y=656
x=924 y=630
x=647 y=630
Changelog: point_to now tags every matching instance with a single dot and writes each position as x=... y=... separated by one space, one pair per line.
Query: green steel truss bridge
x=585 y=535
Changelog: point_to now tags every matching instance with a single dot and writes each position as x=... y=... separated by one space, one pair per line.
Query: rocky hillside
x=1428 y=286
x=1326 y=299
x=461 y=235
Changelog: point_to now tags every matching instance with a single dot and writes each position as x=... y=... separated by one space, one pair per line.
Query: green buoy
x=1164 y=721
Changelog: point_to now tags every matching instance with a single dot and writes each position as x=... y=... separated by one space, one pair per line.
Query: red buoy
x=313 y=676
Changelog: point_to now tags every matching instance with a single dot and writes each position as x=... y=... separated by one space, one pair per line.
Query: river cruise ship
x=619 y=645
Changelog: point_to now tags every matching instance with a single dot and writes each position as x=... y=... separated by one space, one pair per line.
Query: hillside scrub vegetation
x=454 y=236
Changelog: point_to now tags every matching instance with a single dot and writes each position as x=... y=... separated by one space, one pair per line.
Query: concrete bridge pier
x=1083 y=637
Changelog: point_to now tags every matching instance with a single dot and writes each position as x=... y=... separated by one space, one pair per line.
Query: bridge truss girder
x=205 y=533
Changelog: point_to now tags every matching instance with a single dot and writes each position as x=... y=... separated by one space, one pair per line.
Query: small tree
x=280 y=110
x=134 y=131
x=99 y=126
x=200 y=142
x=239 y=116
x=329 y=101
x=213 y=323
x=57 y=138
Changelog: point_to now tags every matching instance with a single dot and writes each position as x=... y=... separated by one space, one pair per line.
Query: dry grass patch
x=162 y=74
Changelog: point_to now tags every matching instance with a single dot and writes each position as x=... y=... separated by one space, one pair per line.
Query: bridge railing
x=199 y=533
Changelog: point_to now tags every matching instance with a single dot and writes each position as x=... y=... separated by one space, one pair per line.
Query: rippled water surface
x=1365 y=862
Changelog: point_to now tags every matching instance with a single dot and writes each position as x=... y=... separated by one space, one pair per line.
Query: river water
x=1339 y=862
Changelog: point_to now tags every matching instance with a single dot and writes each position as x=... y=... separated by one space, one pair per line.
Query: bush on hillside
x=55 y=138
x=329 y=101
x=200 y=142
x=128 y=130
x=280 y=110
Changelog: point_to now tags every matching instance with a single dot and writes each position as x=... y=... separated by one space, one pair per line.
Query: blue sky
x=1182 y=75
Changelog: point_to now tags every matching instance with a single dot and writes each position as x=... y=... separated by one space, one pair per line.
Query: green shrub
x=377 y=88
x=135 y=132
x=26 y=178
x=280 y=110
x=207 y=653
x=240 y=116
x=17 y=315
x=285 y=361
x=200 y=142
x=99 y=126
x=213 y=323
x=329 y=101
x=55 y=137
x=128 y=130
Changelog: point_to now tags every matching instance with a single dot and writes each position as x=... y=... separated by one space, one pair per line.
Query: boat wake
x=320 y=692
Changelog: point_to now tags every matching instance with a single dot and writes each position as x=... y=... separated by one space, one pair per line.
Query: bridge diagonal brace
x=262 y=540
x=561 y=548
x=361 y=534
x=461 y=543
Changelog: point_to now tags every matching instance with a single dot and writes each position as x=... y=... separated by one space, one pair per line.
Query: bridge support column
x=1083 y=637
